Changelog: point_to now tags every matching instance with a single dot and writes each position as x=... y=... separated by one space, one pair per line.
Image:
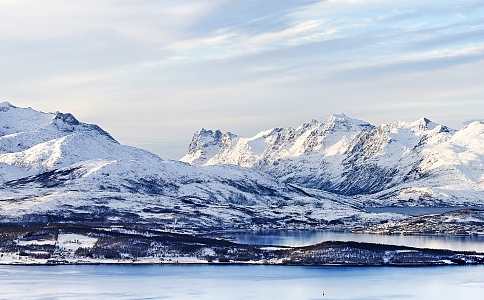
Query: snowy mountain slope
x=220 y=197
x=328 y=138
x=402 y=163
x=23 y=128
x=57 y=169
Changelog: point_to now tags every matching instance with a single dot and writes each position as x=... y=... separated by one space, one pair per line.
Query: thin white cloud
x=411 y=58
x=216 y=40
x=311 y=23
x=149 y=21
x=298 y=29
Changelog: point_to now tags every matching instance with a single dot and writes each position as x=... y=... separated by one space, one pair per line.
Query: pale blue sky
x=153 y=72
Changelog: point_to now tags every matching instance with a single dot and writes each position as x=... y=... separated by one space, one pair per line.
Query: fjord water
x=240 y=282
x=297 y=238
x=255 y=281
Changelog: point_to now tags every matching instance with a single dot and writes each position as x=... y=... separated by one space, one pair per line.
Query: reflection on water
x=240 y=282
x=310 y=237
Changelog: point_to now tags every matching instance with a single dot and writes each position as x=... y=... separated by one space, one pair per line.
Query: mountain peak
x=424 y=124
x=210 y=134
x=342 y=121
x=425 y=121
x=203 y=141
x=340 y=116
x=5 y=106
x=23 y=128
x=344 y=118
x=66 y=118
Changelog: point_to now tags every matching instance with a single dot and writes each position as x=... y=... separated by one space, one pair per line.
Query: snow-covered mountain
x=54 y=168
x=401 y=163
x=326 y=138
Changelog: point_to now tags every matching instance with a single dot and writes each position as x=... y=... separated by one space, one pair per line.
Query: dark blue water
x=240 y=282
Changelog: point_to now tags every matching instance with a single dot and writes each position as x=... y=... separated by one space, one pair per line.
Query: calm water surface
x=240 y=282
x=310 y=237
x=256 y=282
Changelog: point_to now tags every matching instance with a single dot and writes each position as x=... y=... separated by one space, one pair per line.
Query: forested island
x=76 y=244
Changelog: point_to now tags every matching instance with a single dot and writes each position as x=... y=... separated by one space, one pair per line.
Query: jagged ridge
x=401 y=163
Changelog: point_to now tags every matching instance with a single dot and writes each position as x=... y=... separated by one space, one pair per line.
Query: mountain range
x=56 y=169
x=417 y=163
